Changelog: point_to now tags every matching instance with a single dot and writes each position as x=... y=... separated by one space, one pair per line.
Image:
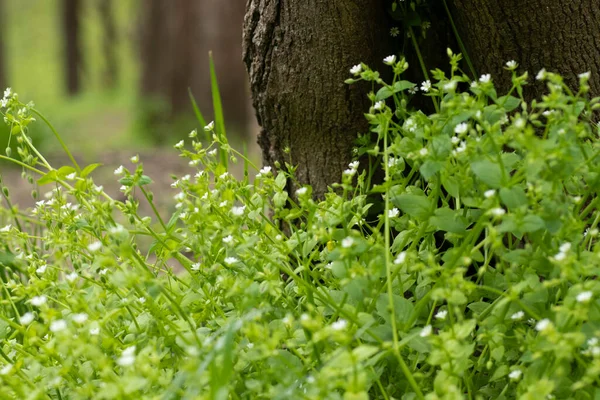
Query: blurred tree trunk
x=3 y=80
x=298 y=54
x=176 y=36
x=71 y=11
x=109 y=43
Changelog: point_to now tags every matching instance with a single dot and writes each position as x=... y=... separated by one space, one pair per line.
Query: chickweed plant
x=477 y=281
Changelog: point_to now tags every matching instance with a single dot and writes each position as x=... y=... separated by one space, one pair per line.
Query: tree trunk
x=560 y=36
x=298 y=55
x=3 y=80
x=109 y=43
x=73 y=60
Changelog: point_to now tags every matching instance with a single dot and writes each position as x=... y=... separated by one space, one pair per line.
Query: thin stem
x=56 y=134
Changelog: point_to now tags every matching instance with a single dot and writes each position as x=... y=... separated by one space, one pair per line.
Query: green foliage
x=477 y=281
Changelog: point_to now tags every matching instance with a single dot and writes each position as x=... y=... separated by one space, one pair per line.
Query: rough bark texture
x=560 y=36
x=298 y=54
x=3 y=80
x=72 y=46
x=109 y=43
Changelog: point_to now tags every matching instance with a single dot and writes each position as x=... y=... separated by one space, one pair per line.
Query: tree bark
x=3 y=80
x=72 y=46
x=560 y=36
x=298 y=55
x=109 y=43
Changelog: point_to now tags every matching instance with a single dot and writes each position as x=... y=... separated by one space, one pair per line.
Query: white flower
x=142 y=300
x=395 y=31
x=441 y=314
x=498 y=211
x=560 y=256
x=355 y=70
x=339 y=325
x=393 y=213
x=6 y=369
x=7 y=92
x=515 y=374
x=238 y=211
x=224 y=175
x=353 y=165
x=512 y=64
x=584 y=75
x=450 y=86
x=541 y=75
x=520 y=123
x=80 y=318
x=426 y=331
x=38 y=300
x=393 y=161
x=565 y=247
x=461 y=148
x=230 y=260
x=41 y=269
x=72 y=276
x=413 y=90
x=584 y=297
x=94 y=331
x=119 y=170
x=400 y=258
x=228 y=239
x=423 y=152
x=98 y=189
x=71 y=176
x=179 y=144
x=349 y=172
x=592 y=341
x=489 y=193
x=347 y=242
x=264 y=171
x=389 y=60
x=213 y=152
x=127 y=357
x=302 y=191
x=485 y=78
x=135 y=159
x=58 y=325
x=461 y=128
x=543 y=325
x=26 y=318
x=6 y=228
x=455 y=140
x=517 y=316
x=379 y=105
x=93 y=247
x=210 y=126
x=426 y=86
x=193 y=133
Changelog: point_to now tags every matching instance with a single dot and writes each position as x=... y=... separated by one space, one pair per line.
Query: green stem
x=62 y=143
x=461 y=45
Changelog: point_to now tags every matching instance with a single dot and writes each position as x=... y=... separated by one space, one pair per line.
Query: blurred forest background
x=114 y=74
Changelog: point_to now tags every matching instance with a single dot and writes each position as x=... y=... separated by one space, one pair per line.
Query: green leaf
x=386 y=91
x=449 y=220
x=430 y=168
x=451 y=185
x=509 y=103
x=403 y=308
x=144 y=180
x=532 y=223
x=89 y=169
x=488 y=172
x=417 y=206
x=64 y=171
x=514 y=197
x=280 y=181
x=50 y=177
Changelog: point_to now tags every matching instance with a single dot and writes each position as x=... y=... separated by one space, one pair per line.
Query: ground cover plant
x=476 y=281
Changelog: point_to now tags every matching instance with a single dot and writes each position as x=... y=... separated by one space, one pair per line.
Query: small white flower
x=195 y=267
x=455 y=140
x=230 y=260
x=560 y=256
x=98 y=189
x=223 y=203
x=485 y=78
x=339 y=325
x=94 y=331
x=413 y=90
x=349 y=172
x=461 y=148
x=93 y=247
x=119 y=170
x=461 y=128
x=80 y=318
x=426 y=86
x=379 y=105
x=41 y=269
x=264 y=171
x=592 y=341
x=450 y=86
x=210 y=126
x=541 y=75
x=71 y=176
x=393 y=213
x=584 y=297
x=423 y=152
x=228 y=239
x=584 y=75
x=127 y=357
x=180 y=144
x=302 y=191
x=543 y=325
x=355 y=70
x=389 y=60
x=565 y=247
x=72 y=276
x=353 y=165
x=224 y=175
x=26 y=318
x=238 y=211
x=498 y=211
x=517 y=316
x=212 y=153
x=400 y=258
x=426 y=331
x=58 y=325
x=441 y=314
x=512 y=64
x=142 y=300
x=393 y=161
x=6 y=228
x=193 y=134
x=38 y=300
x=347 y=242
x=520 y=123
x=515 y=374
x=7 y=92
x=6 y=369
x=103 y=271
x=135 y=159
x=395 y=31
x=489 y=193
